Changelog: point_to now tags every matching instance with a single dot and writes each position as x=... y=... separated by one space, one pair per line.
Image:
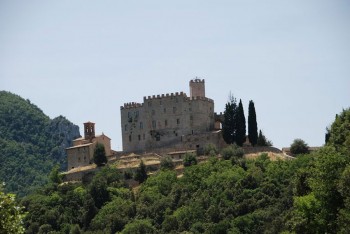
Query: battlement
x=200 y=98
x=197 y=80
x=159 y=96
x=131 y=105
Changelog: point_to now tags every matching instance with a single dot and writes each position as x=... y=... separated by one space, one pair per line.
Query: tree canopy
x=100 y=155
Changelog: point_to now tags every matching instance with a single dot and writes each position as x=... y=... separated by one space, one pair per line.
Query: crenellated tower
x=197 y=88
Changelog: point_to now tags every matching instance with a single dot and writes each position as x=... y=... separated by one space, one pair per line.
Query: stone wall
x=161 y=120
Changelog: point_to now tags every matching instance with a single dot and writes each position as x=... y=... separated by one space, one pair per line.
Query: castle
x=161 y=124
x=171 y=122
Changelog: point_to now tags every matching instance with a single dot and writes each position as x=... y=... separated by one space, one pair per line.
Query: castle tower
x=89 y=131
x=197 y=88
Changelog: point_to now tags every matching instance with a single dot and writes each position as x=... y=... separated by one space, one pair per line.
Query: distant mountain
x=31 y=143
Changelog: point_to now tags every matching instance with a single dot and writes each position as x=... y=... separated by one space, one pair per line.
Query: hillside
x=31 y=143
x=309 y=194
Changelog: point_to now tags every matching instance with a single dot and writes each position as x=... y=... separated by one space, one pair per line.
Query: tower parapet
x=130 y=105
x=197 y=87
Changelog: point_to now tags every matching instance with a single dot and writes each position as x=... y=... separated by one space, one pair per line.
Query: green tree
x=11 y=215
x=139 y=227
x=299 y=147
x=240 y=125
x=252 y=124
x=189 y=160
x=228 y=126
x=232 y=151
x=100 y=155
x=339 y=133
x=210 y=150
x=262 y=140
x=141 y=173
x=166 y=163
x=55 y=176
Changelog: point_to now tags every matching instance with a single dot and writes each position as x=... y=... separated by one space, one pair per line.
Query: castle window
x=158 y=137
x=154 y=124
x=84 y=158
x=164 y=110
x=153 y=112
x=191 y=117
x=190 y=109
x=177 y=100
x=178 y=121
x=174 y=109
x=137 y=114
x=79 y=159
x=141 y=125
x=126 y=127
x=139 y=137
x=130 y=138
x=166 y=123
x=129 y=115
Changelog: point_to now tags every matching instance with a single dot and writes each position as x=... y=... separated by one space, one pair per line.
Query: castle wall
x=163 y=120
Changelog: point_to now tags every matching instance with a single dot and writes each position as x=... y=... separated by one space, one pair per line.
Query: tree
x=55 y=176
x=232 y=151
x=252 y=124
x=228 y=126
x=262 y=140
x=166 y=163
x=11 y=215
x=100 y=155
x=189 y=160
x=240 y=125
x=299 y=147
x=141 y=173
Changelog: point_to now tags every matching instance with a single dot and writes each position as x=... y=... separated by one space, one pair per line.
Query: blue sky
x=84 y=59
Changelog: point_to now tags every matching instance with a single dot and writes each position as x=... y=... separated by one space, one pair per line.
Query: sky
x=84 y=59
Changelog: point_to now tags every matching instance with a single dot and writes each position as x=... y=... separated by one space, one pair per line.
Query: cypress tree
x=228 y=126
x=141 y=173
x=240 y=125
x=252 y=124
x=100 y=155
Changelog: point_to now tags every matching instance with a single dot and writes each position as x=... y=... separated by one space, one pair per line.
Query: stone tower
x=89 y=131
x=197 y=88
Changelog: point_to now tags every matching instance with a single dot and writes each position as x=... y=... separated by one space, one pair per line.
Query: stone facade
x=82 y=152
x=168 y=121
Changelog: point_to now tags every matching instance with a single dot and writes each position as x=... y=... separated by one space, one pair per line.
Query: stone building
x=82 y=152
x=170 y=121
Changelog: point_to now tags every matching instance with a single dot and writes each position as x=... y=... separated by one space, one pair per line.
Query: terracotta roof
x=79 y=146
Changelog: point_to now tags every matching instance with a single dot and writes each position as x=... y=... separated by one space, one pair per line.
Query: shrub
x=232 y=151
x=210 y=150
x=189 y=160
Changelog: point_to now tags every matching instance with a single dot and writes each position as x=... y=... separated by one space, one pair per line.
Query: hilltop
x=31 y=143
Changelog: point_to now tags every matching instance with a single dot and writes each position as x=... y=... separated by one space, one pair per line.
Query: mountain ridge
x=31 y=143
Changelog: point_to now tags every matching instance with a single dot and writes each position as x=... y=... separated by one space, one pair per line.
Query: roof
x=79 y=146
x=182 y=152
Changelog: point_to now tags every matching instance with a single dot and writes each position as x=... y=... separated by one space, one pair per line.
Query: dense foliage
x=262 y=140
x=309 y=194
x=11 y=215
x=31 y=144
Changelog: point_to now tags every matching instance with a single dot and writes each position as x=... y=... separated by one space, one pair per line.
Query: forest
x=310 y=194
x=31 y=144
